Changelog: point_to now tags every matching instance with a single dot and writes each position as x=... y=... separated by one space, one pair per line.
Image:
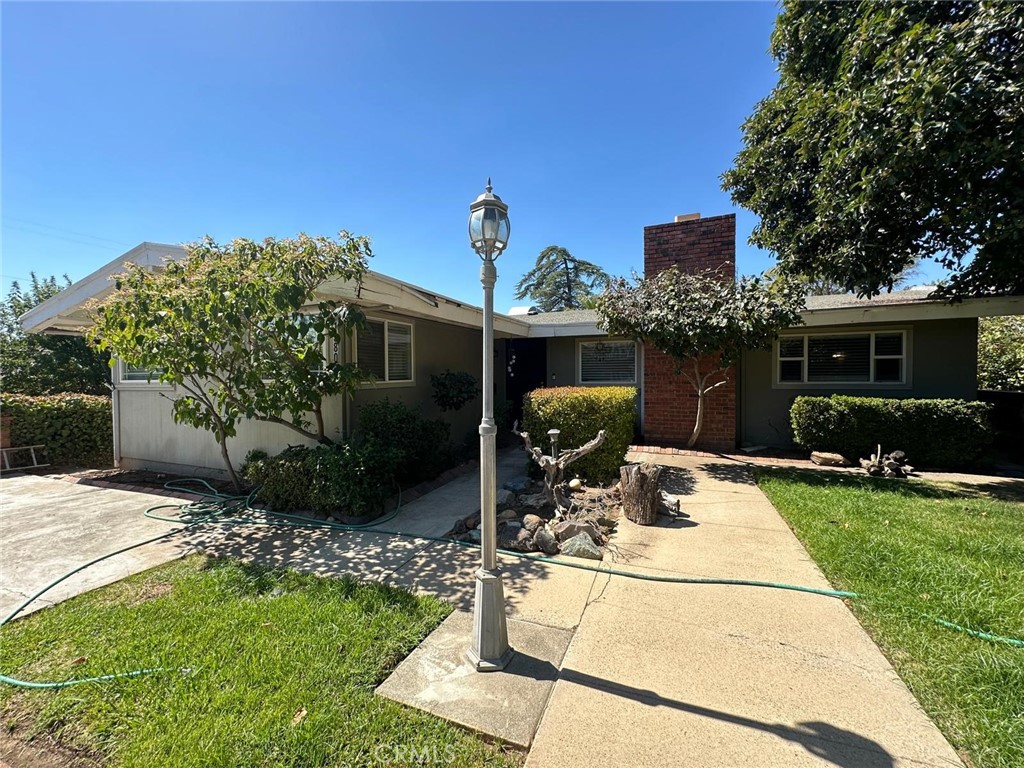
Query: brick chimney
x=692 y=244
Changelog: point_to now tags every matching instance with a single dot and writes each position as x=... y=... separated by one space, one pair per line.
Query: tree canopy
x=240 y=332
x=37 y=364
x=559 y=280
x=702 y=321
x=895 y=133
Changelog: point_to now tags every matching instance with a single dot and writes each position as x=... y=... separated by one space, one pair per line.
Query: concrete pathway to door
x=678 y=675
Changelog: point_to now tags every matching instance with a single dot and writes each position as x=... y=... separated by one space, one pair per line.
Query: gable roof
x=67 y=312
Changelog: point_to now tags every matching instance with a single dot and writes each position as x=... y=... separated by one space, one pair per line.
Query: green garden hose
x=221 y=509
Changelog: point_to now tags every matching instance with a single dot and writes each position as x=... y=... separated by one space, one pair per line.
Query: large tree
x=895 y=133
x=240 y=332
x=37 y=364
x=700 y=320
x=559 y=280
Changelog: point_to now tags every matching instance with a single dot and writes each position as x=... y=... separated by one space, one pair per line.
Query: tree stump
x=641 y=497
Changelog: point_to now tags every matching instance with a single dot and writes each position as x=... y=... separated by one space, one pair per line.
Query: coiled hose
x=224 y=509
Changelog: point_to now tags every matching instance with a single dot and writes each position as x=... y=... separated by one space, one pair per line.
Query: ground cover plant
x=281 y=669
x=918 y=548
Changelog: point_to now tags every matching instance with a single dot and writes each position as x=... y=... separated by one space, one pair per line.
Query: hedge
x=76 y=429
x=933 y=433
x=341 y=479
x=579 y=413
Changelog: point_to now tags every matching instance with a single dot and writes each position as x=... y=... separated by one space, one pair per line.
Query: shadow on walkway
x=838 y=746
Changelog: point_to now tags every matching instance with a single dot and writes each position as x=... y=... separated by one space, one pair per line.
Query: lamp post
x=489 y=652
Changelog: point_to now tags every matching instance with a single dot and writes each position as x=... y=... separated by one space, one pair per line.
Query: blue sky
x=126 y=122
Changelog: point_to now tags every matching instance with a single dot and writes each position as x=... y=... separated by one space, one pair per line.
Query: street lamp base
x=490 y=651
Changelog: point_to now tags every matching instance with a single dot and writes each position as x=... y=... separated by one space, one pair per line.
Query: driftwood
x=641 y=498
x=554 y=469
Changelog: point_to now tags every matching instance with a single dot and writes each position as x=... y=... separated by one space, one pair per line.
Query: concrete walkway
x=678 y=675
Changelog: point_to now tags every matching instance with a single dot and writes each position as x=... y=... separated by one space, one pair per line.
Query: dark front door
x=526 y=369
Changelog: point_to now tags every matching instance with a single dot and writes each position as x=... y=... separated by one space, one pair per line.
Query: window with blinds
x=384 y=349
x=607 y=362
x=842 y=358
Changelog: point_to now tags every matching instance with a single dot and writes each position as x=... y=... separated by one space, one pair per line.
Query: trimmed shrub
x=345 y=479
x=422 y=445
x=580 y=413
x=76 y=429
x=934 y=433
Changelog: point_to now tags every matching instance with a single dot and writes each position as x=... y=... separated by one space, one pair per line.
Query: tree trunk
x=699 y=424
x=227 y=462
x=641 y=497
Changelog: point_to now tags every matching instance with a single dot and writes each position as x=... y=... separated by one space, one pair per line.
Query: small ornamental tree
x=239 y=331
x=1001 y=353
x=700 y=320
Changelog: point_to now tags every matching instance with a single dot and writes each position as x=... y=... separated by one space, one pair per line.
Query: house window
x=384 y=349
x=607 y=362
x=842 y=358
x=135 y=373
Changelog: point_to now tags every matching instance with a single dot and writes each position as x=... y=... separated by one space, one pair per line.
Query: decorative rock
x=575 y=484
x=532 y=522
x=459 y=528
x=534 y=501
x=517 y=484
x=473 y=520
x=571 y=528
x=545 y=541
x=508 y=536
x=505 y=499
x=581 y=546
x=472 y=536
x=825 y=459
x=507 y=514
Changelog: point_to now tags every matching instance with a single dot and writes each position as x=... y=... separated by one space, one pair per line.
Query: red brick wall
x=670 y=402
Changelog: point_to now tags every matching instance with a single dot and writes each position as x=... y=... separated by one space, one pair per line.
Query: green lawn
x=921 y=549
x=281 y=672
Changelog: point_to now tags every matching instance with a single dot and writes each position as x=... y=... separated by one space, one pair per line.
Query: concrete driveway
x=49 y=527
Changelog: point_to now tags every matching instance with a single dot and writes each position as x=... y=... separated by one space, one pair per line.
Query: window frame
x=123 y=382
x=386 y=381
x=904 y=383
x=579 y=363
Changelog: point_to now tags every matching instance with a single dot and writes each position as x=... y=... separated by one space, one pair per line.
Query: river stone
x=534 y=500
x=545 y=541
x=459 y=528
x=472 y=536
x=571 y=528
x=532 y=522
x=825 y=459
x=575 y=484
x=519 y=484
x=507 y=514
x=581 y=546
x=505 y=499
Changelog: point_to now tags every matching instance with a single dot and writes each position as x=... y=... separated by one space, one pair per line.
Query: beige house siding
x=942 y=361
x=149 y=438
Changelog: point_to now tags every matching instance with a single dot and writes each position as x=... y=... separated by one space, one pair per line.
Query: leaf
x=299 y=715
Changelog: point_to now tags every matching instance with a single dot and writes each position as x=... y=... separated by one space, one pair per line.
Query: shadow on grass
x=815 y=478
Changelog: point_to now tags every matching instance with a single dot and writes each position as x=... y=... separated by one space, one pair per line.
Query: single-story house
x=900 y=344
